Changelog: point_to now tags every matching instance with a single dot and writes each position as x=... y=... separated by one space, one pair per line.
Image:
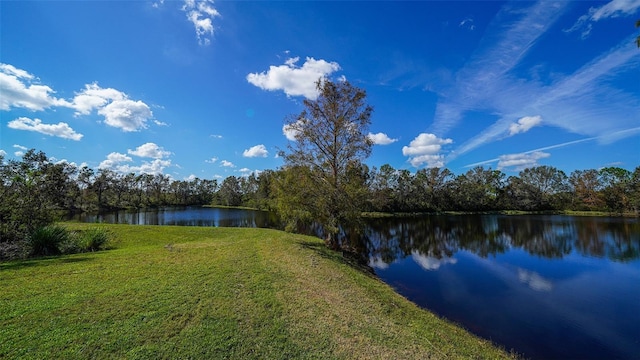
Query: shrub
x=14 y=250
x=95 y=239
x=72 y=245
x=46 y=240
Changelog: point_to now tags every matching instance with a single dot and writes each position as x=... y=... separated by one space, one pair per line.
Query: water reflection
x=186 y=216
x=553 y=237
x=546 y=286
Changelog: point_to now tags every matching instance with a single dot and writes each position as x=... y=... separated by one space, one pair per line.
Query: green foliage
x=331 y=141
x=46 y=241
x=86 y=240
x=94 y=239
x=56 y=239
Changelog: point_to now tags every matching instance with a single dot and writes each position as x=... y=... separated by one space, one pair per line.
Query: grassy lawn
x=190 y=292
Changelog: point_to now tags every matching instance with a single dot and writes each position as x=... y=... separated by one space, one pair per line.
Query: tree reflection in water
x=441 y=236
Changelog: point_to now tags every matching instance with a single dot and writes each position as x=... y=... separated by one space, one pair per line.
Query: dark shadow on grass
x=43 y=261
x=355 y=260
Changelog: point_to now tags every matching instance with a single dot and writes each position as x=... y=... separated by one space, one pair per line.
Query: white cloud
x=119 y=163
x=381 y=139
x=212 y=160
x=256 y=151
x=118 y=110
x=290 y=131
x=430 y=262
x=216 y=136
x=61 y=129
x=615 y=8
x=23 y=148
x=149 y=150
x=524 y=124
x=294 y=81
x=468 y=24
x=201 y=14
x=534 y=280
x=18 y=91
x=425 y=149
x=13 y=71
x=113 y=160
x=611 y=9
x=521 y=161
x=128 y=115
x=3 y=153
x=226 y=163
x=378 y=263
x=18 y=153
x=94 y=97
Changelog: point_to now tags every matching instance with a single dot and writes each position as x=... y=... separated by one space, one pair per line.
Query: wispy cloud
x=468 y=24
x=584 y=102
x=612 y=9
x=609 y=137
x=482 y=82
x=201 y=13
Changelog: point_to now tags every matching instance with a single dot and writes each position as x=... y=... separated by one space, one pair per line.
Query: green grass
x=189 y=292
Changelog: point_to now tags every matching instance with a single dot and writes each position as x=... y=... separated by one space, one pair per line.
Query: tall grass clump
x=94 y=239
x=47 y=240
x=56 y=239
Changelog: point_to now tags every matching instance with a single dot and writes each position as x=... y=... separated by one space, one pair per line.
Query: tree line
x=34 y=188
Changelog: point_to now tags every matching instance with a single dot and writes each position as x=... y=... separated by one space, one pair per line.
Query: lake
x=545 y=286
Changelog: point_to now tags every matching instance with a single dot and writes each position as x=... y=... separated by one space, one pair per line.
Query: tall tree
x=616 y=188
x=543 y=185
x=586 y=187
x=331 y=139
x=230 y=193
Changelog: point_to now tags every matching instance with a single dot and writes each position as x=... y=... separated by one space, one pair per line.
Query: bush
x=95 y=239
x=54 y=240
x=47 y=240
x=14 y=250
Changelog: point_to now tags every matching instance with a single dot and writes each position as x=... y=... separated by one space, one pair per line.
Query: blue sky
x=197 y=88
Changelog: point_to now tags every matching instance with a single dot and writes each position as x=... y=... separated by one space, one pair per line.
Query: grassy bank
x=189 y=292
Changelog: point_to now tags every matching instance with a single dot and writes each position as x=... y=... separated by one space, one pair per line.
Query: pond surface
x=185 y=216
x=546 y=286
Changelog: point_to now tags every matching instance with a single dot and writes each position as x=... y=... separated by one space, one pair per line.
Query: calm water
x=545 y=286
x=185 y=216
